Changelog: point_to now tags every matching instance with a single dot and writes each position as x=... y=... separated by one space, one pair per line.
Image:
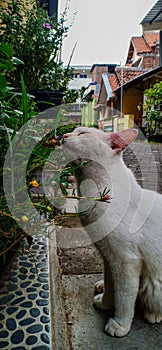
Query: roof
x=112 y=82
x=107 y=85
x=116 y=86
x=151 y=38
x=124 y=75
x=141 y=45
x=146 y=45
x=155 y=14
x=152 y=72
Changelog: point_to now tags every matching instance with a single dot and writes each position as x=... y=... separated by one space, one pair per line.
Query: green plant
x=14 y=112
x=71 y=96
x=37 y=40
x=153 y=107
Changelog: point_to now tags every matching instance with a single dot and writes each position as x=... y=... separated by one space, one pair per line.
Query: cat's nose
x=64 y=137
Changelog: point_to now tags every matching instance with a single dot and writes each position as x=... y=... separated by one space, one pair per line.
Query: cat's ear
x=118 y=141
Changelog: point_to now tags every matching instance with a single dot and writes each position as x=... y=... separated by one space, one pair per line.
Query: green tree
x=153 y=107
x=36 y=40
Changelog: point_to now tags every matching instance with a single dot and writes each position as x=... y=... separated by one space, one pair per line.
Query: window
x=83 y=75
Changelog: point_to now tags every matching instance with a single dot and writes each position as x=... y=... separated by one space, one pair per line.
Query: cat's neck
x=117 y=177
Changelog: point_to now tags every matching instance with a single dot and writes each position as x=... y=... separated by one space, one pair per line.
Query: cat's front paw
x=152 y=317
x=99 y=287
x=114 y=329
x=98 y=302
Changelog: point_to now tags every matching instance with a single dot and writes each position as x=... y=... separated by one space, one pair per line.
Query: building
x=81 y=77
x=121 y=97
x=153 y=21
x=91 y=94
x=144 y=51
x=120 y=102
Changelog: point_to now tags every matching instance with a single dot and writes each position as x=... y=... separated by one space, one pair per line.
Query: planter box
x=46 y=98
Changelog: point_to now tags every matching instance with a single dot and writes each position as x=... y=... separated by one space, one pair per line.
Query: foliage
x=71 y=96
x=14 y=108
x=82 y=91
x=37 y=40
x=153 y=107
x=15 y=112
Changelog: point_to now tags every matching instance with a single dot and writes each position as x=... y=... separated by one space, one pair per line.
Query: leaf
x=18 y=111
x=3 y=83
x=24 y=101
x=17 y=61
x=36 y=138
x=6 y=49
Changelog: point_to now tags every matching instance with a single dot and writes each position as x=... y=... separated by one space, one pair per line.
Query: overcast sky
x=102 y=29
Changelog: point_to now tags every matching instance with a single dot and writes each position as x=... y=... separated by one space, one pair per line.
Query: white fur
x=127 y=232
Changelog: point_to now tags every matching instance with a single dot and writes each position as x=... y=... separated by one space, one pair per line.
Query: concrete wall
x=124 y=123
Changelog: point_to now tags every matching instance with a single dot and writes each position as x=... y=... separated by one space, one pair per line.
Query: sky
x=102 y=29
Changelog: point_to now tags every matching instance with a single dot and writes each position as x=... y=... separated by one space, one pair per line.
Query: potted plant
x=37 y=40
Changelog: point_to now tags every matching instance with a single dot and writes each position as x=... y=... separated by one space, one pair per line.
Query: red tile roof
x=141 y=45
x=124 y=75
x=151 y=38
x=114 y=82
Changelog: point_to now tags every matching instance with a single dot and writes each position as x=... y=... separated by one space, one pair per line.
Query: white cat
x=127 y=231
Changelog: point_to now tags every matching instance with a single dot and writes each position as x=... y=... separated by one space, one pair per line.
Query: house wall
x=88 y=114
x=124 y=123
x=151 y=61
x=132 y=104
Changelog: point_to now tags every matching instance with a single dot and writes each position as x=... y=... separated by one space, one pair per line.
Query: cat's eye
x=82 y=133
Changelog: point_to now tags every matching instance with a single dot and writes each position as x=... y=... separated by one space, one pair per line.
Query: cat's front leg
x=105 y=292
x=126 y=287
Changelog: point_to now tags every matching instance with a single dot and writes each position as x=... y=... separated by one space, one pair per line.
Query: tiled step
x=30 y=317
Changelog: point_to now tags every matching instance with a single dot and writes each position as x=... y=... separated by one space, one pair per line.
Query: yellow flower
x=34 y=183
x=24 y=218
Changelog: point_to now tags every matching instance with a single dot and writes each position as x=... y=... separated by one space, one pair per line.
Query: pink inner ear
x=120 y=140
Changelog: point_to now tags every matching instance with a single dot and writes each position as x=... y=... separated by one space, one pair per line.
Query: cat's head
x=92 y=143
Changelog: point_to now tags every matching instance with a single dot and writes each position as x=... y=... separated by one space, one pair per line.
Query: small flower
x=34 y=183
x=62 y=29
x=63 y=264
x=53 y=141
x=24 y=218
x=105 y=198
x=47 y=25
